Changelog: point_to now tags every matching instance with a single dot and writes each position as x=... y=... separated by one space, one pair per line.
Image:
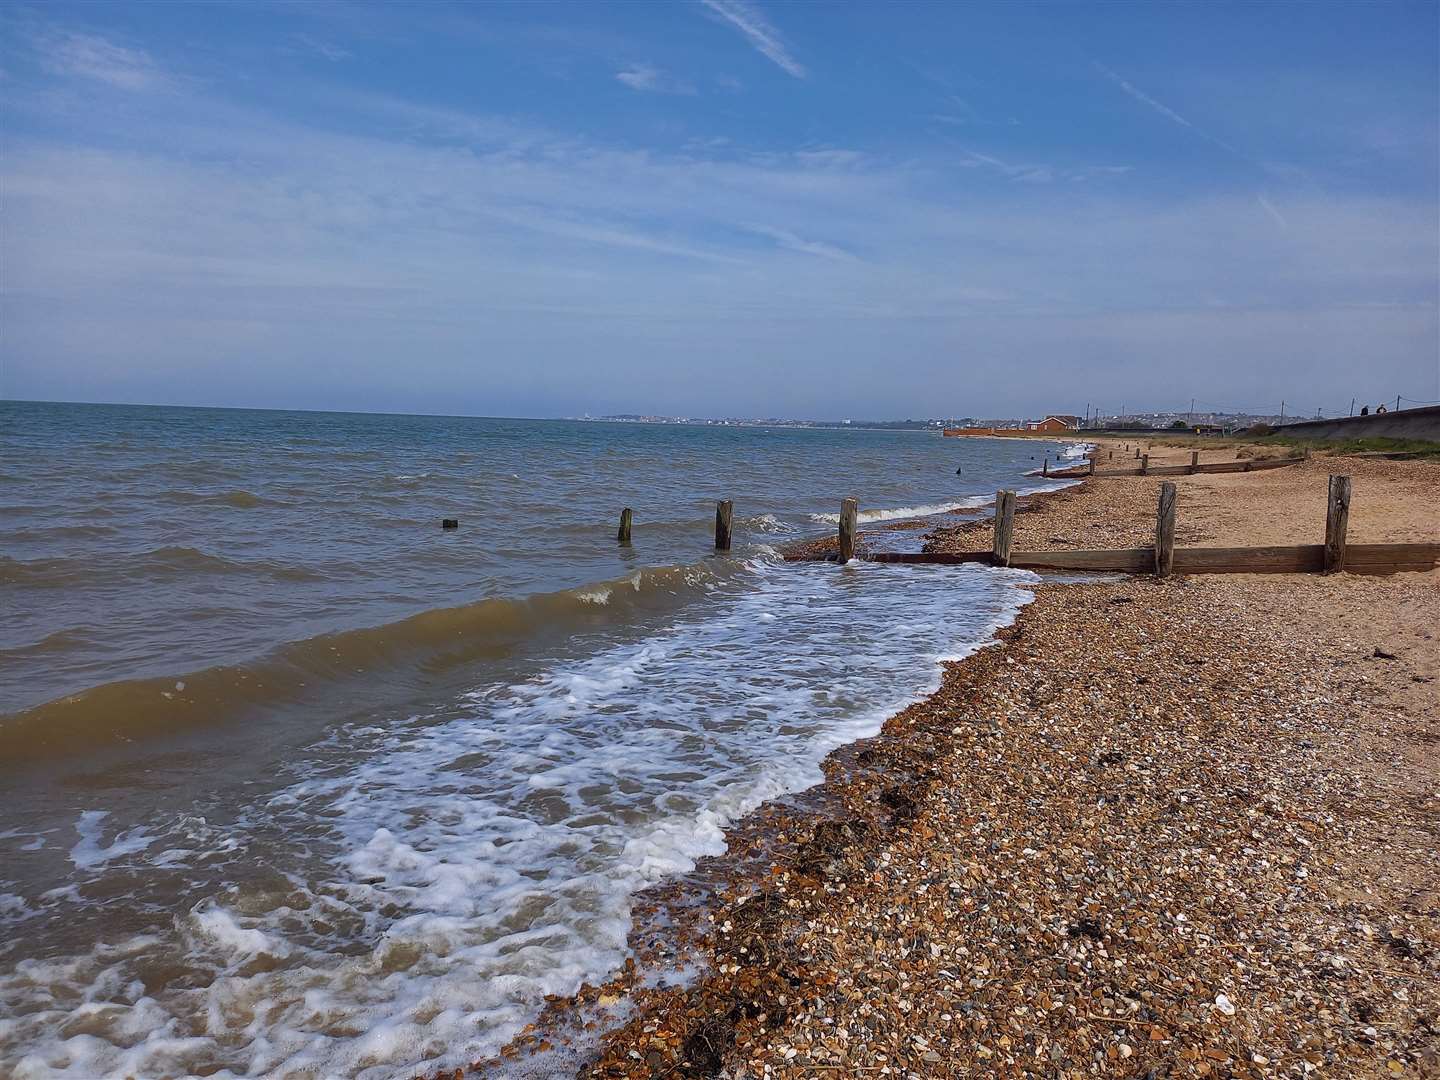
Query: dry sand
x=1164 y=829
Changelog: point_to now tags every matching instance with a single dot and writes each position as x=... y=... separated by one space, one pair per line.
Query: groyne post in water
x=1337 y=520
x=626 y=517
x=849 y=512
x=1165 y=531
x=1045 y=468
x=1004 y=526
x=724 y=511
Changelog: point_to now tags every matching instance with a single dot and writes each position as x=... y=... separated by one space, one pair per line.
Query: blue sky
x=721 y=207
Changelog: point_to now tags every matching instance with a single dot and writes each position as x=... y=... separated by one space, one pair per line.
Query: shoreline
x=1061 y=863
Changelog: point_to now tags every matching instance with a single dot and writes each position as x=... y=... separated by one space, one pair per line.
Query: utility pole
x=1192 y=412
x=1352 y=406
x=1397 y=402
x=1282 y=412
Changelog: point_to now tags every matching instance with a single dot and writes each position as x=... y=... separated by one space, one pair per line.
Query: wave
x=239 y=499
x=955 y=506
x=171 y=561
x=429 y=643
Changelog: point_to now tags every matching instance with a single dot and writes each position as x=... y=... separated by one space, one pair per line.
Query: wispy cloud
x=1269 y=208
x=329 y=50
x=652 y=80
x=790 y=242
x=1163 y=109
x=93 y=57
x=759 y=31
x=1041 y=174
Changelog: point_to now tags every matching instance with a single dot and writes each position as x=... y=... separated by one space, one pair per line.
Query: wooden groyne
x=1146 y=469
x=1164 y=558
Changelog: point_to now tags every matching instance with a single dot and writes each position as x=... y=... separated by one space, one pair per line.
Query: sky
x=721 y=207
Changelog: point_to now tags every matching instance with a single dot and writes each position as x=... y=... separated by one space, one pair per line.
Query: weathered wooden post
x=1337 y=520
x=1165 y=531
x=1137 y=453
x=626 y=516
x=1004 y=526
x=1092 y=467
x=1144 y=464
x=849 y=512
x=1045 y=468
x=724 y=511
x=1194 y=461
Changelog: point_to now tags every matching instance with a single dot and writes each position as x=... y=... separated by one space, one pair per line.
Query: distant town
x=1139 y=421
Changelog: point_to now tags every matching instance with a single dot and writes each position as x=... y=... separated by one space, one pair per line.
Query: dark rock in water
x=957 y=471
x=449 y=523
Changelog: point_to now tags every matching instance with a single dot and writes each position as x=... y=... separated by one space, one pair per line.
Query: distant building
x=1050 y=425
x=1054 y=423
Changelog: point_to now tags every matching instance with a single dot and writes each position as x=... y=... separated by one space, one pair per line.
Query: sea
x=298 y=783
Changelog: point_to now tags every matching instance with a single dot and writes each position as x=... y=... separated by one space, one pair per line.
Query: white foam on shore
x=89 y=852
x=899 y=513
x=486 y=855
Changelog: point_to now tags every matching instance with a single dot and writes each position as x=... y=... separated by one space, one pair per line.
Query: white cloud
x=327 y=49
x=759 y=31
x=640 y=77
x=93 y=57
x=649 y=79
x=790 y=242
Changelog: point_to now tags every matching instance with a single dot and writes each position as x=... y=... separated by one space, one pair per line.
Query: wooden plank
x=627 y=517
x=1284 y=559
x=724 y=515
x=1165 y=530
x=930 y=558
x=1004 y=526
x=849 y=511
x=1125 y=560
x=1337 y=520
x=1390 y=558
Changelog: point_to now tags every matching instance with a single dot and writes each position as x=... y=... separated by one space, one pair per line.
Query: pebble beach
x=1160 y=829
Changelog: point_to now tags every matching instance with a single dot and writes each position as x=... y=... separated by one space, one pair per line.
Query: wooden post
x=1165 y=531
x=1004 y=526
x=626 y=516
x=1045 y=469
x=1337 y=519
x=1092 y=466
x=1137 y=453
x=1112 y=456
x=1144 y=464
x=849 y=511
x=1194 y=461
x=724 y=511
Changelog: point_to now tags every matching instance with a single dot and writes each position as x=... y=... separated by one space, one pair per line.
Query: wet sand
x=1180 y=828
